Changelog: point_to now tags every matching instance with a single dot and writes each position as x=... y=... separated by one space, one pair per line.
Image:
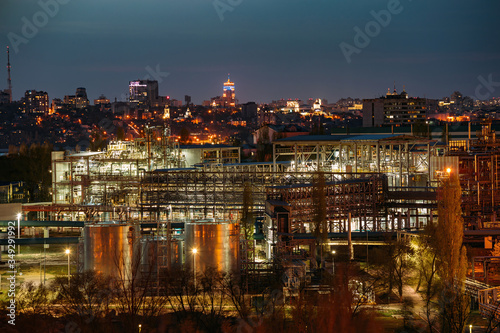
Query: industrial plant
x=152 y=204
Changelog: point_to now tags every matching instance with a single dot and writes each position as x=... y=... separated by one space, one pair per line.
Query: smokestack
x=9 y=81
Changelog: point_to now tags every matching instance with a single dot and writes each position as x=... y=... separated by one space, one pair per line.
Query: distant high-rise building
x=70 y=100
x=101 y=100
x=456 y=97
x=78 y=100
x=81 y=100
x=249 y=110
x=4 y=97
x=393 y=109
x=228 y=98
x=36 y=102
x=57 y=104
x=143 y=93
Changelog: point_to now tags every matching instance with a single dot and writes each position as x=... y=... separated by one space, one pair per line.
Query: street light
x=333 y=262
x=195 y=250
x=18 y=232
x=68 y=253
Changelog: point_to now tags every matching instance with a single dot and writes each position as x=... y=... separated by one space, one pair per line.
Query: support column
x=362 y=150
x=407 y=164
x=378 y=157
x=340 y=157
x=429 y=163
x=356 y=157
x=400 y=165
x=295 y=157
x=317 y=157
x=274 y=157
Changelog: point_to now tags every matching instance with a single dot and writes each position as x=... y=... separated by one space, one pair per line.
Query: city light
x=268 y=181
x=195 y=250
x=68 y=252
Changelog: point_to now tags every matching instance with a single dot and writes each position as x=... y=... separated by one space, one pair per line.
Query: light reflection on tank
x=109 y=248
x=217 y=245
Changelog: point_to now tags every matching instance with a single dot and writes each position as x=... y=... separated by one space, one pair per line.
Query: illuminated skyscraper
x=36 y=102
x=228 y=94
x=143 y=93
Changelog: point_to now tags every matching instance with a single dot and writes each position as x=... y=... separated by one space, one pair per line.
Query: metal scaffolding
x=398 y=156
x=479 y=178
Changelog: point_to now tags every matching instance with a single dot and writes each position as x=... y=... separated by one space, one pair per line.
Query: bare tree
x=34 y=311
x=87 y=300
x=180 y=290
x=237 y=297
x=134 y=290
x=426 y=259
x=334 y=311
x=33 y=299
x=200 y=306
x=392 y=264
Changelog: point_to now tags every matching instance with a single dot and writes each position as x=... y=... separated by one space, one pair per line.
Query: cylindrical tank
x=154 y=254
x=109 y=248
x=217 y=245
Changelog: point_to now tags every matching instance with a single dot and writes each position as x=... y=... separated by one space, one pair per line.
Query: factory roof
x=205 y=146
x=344 y=137
x=86 y=153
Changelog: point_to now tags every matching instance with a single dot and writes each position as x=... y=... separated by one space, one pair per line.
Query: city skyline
x=301 y=50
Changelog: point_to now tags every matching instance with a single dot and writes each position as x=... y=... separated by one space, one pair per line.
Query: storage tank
x=154 y=253
x=217 y=245
x=109 y=248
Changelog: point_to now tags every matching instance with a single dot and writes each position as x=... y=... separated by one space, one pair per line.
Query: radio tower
x=9 y=81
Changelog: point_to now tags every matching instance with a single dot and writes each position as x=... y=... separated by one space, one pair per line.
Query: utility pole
x=9 y=81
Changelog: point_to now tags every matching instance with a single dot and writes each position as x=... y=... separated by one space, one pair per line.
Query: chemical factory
x=149 y=205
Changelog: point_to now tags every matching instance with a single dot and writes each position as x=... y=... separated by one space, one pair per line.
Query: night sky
x=273 y=49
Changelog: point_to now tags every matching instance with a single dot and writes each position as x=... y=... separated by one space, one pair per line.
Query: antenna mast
x=9 y=81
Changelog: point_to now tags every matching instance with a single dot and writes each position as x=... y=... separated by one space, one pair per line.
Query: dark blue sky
x=273 y=49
